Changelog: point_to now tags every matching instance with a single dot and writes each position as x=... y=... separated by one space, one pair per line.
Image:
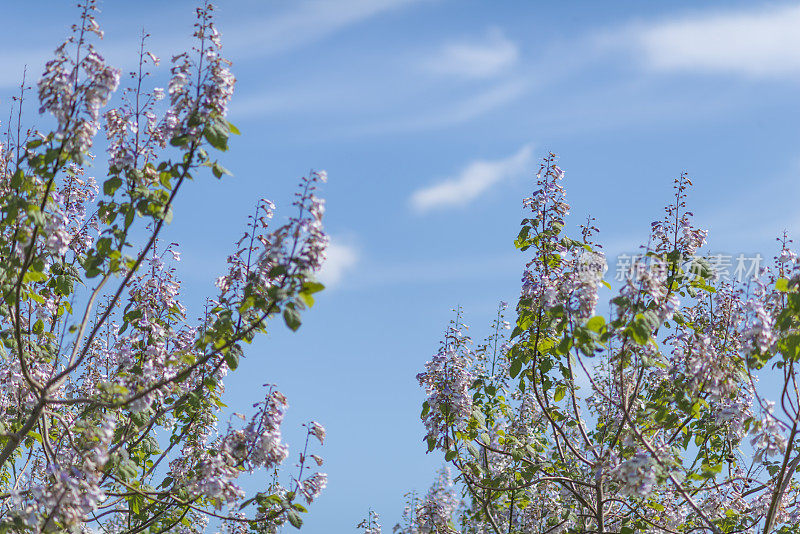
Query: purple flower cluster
x=447 y=380
x=107 y=388
x=203 y=87
x=759 y=335
x=434 y=513
x=75 y=100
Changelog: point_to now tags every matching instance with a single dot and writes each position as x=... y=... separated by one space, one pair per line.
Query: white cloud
x=473 y=180
x=488 y=57
x=13 y=63
x=458 y=112
x=305 y=23
x=341 y=258
x=756 y=43
x=410 y=272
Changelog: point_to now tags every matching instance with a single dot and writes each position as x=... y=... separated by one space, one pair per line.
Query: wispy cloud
x=341 y=258
x=473 y=180
x=12 y=65
x=378 y=95
x=755 y=42
x=305 y=23
x=430 y=270
x=459 y=112
x=489 y=56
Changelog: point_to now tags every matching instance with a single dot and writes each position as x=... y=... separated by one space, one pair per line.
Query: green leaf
x=639 y=332
x=218 y=170
x=111 y=185
x=307 y=299
x=710 y=470
x=431 y=442
x=16 y=178
x=782 y=285
x=166 y=215
x=701 y=267
x=246 y=503
x=561 y=390
x=127 y=470
x=179 y=140
x=596 y=323
x=650 y=319
x=134 y=505
x=216 y=133
x=515 y=368
x=312 y=287
x=129 y=217
x=292 y=318
x=294 y=518
x=232 y=359
x=479 y=417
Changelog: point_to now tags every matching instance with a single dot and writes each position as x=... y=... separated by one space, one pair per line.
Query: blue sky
x=430 y=116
